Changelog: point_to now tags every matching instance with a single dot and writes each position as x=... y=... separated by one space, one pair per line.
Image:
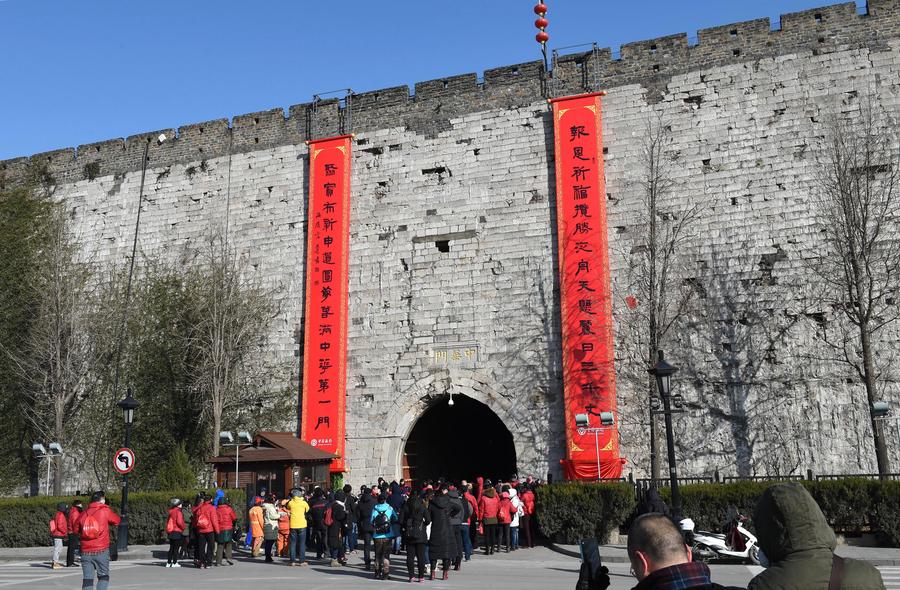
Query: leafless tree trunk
x=657 y=262
x=856 y=194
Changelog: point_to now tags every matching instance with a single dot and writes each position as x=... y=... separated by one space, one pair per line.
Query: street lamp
x=663 y=372
x=583 y=423
x=226 y=439
x=41 y=452
x=128 y=405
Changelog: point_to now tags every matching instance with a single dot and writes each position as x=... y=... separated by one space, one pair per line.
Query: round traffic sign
x=123 y=461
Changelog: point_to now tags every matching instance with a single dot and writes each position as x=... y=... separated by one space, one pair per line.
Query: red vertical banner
x=585 y=299
x=327 y=303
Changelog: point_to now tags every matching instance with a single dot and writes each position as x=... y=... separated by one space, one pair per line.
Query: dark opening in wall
x=442 y=245
x=818 y=18
x=736 y=52
x=733 y=32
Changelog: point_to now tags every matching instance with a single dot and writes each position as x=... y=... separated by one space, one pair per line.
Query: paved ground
x=523 y=570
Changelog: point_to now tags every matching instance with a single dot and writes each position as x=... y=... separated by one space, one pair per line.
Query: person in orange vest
x=59 y=530
x=256 y=518
x=284 y=528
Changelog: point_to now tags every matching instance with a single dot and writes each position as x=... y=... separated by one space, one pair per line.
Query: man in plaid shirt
x=659 y=558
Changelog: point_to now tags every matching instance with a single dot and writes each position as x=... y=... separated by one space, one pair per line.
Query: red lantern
x=540 y=9
x=542 y=23
x=542 y=37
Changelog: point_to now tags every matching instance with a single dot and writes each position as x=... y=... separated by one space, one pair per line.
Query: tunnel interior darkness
x=462 y=441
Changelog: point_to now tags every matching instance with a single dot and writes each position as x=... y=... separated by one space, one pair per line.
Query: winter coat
x=317 y=513
x=457 y=502
x=105 y=517
x=799 y=545
x=62 y=525
x=442 y=542
x=257 y=522
x=528 y=501
x=186 y=515
x=208 y=511
x=299 y=508
x=517 y=507
x=364 y=514
x=504 y=513
x=226 y=516
x=338 y=523
x=396 y=499
x=488 y=506
x=74 y=519
x=270 y=521
x=414 y=520
x=391 y=515
x=677 y=576
x=473 y=505
x=176 y=518
x=351 y=504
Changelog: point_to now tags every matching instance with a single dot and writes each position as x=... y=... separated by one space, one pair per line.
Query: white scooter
x=738 y=544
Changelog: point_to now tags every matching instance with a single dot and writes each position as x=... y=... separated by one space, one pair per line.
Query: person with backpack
x=59 y=530
x=414 y=521
x=383 y=520
x=257 y=524
x=207 y=522
x=95 y=523
x=336 y=520
x=317 y=515
x=74 y=517
x=174 y=531
x=225 y=541
x=364 y=523
x=299 y=509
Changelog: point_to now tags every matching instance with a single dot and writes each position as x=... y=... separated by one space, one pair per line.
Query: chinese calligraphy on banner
x=587 y=336
x=325 y=342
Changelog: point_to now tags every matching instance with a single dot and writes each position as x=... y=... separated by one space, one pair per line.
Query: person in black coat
x=414 y=520
x=396 y=501
x=352 y=517
x=364 y=523
x=441 y=544
x=456 y=525
x=317 y=529
x=337 y=529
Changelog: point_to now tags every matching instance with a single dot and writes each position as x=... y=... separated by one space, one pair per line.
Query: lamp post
x=42 y=453
x=583 y=423
x=128 y=405
x=663 y=372
x=226 y=439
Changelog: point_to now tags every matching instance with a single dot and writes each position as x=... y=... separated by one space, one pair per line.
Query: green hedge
x=569 y=512
x=24 y=522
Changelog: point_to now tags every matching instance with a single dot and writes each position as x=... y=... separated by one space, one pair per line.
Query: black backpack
x=381 y=523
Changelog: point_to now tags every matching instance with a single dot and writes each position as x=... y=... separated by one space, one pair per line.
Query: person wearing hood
x=414 y=521
x=257 y=519
x=456 y=524
x=337 y=529
x=516 y=511
x=396 y=500
x=797 y=546
x=174 y=531
x=59 y=530
x=488 y=510
x=220 y=493
x=364 y=523
x=441 y=543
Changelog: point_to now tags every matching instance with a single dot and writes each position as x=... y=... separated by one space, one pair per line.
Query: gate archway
x=462 y=441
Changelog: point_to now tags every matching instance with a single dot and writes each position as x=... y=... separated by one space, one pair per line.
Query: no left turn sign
x=123 y=461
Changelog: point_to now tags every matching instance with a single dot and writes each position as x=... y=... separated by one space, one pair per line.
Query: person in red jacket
x=59 y=530
x=504 y=518
x=174 y=532
x=227 y=517
x=527 y=496
x=470 y=525
x=74 y=519
x=488 y=508
x=94 y=531
x=207 y=522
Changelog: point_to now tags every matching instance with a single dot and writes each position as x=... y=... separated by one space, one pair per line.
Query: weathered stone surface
x=470 y=163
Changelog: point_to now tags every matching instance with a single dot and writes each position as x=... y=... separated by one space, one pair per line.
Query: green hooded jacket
x=799 y=545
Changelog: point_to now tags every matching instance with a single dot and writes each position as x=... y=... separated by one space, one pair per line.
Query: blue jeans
x=466 y=541
x=350 y=539
x=298 y=541
x=514 y=537
x=95 y=563
x=395 y=542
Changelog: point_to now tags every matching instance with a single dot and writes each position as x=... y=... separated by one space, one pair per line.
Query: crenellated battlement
x=433 y=103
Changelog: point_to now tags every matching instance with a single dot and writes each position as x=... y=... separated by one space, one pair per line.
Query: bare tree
x=234 y=314
x=856 y=199
x=55 y=364
x=658 y=288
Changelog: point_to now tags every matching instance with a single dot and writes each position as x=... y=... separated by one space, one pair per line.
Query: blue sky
x=79 y=71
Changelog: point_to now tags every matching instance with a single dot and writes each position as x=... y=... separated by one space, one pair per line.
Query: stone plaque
x=455 y=355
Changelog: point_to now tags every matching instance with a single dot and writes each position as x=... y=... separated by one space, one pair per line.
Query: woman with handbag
x=227 y=517
x=174 y=532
